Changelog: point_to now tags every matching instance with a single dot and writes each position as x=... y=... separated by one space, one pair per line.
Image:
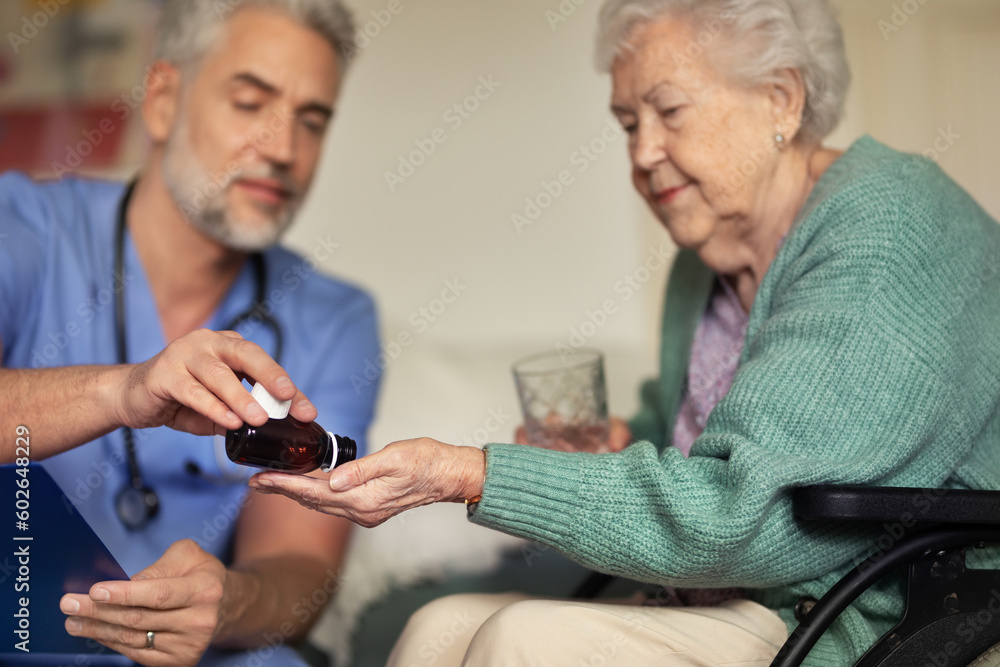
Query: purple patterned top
x=715 y=354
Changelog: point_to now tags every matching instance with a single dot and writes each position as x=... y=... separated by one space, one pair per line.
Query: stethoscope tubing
x=136 y=494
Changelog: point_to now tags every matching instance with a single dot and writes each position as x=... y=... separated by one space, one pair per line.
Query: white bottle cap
x=274 y=408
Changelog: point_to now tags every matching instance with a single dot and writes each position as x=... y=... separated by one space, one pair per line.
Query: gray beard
x=201 y=196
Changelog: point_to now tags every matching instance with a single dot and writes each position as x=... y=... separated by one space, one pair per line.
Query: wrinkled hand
x=619 y=437
x=373 y=489
x=179 y=597
x=195 y=384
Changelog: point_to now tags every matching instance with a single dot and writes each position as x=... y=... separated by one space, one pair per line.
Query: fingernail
x=337 y=482
x=263 y=483
x=69 y=606
x=74 y=625
x=255 y=411
x=305 y=405
x=100 y=595
x=232 y=417
x=283 y=383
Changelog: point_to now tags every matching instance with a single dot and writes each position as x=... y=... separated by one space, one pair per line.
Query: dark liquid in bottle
x=284 y=445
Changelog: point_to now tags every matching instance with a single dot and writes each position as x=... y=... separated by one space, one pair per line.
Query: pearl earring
x=779 y=139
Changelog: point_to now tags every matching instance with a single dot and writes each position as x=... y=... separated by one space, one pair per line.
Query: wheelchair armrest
x=880 y=503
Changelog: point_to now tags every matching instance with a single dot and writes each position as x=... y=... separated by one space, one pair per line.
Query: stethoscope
x=136 y=503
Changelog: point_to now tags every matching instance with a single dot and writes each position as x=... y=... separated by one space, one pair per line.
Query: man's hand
x=619 y=437
x=179 y=597
x=371 y=490
x=195 y=384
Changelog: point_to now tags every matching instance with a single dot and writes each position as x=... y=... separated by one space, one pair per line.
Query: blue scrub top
x=57 y=309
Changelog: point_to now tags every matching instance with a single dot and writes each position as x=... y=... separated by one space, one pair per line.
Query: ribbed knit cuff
x=530 y=492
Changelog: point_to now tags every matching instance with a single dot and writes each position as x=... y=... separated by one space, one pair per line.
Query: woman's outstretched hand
x=373 y=489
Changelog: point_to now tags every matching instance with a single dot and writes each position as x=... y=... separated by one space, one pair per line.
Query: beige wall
x=925 y=70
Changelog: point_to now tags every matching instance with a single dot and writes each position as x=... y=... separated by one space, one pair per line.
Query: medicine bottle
x=288 y=445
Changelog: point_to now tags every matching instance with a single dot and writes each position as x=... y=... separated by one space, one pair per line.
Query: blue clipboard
x=51 y=553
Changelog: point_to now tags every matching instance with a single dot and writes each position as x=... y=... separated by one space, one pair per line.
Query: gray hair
x=189 y=28
x=766 y=36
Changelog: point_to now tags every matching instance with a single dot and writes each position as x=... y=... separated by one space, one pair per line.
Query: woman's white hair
x=190 y=28
x=760 y=38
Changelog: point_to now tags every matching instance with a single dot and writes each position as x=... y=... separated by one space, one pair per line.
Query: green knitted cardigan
x=872 y=356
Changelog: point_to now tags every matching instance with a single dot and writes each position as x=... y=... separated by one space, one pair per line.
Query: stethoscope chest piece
x=136 y=507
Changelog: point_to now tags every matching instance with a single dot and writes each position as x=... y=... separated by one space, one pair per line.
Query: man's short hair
x=190 y=28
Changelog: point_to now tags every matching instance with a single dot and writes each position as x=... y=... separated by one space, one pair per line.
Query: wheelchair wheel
x=989 y=659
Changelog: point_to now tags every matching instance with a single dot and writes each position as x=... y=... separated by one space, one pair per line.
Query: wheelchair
x=952 y=615
x=945 y=600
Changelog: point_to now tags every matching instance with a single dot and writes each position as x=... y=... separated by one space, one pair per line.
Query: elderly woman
x=830 y=318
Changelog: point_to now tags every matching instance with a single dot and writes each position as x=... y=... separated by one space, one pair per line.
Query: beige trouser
x=515 y=630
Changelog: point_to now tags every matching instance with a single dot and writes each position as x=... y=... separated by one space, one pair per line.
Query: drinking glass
x=564 y=399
